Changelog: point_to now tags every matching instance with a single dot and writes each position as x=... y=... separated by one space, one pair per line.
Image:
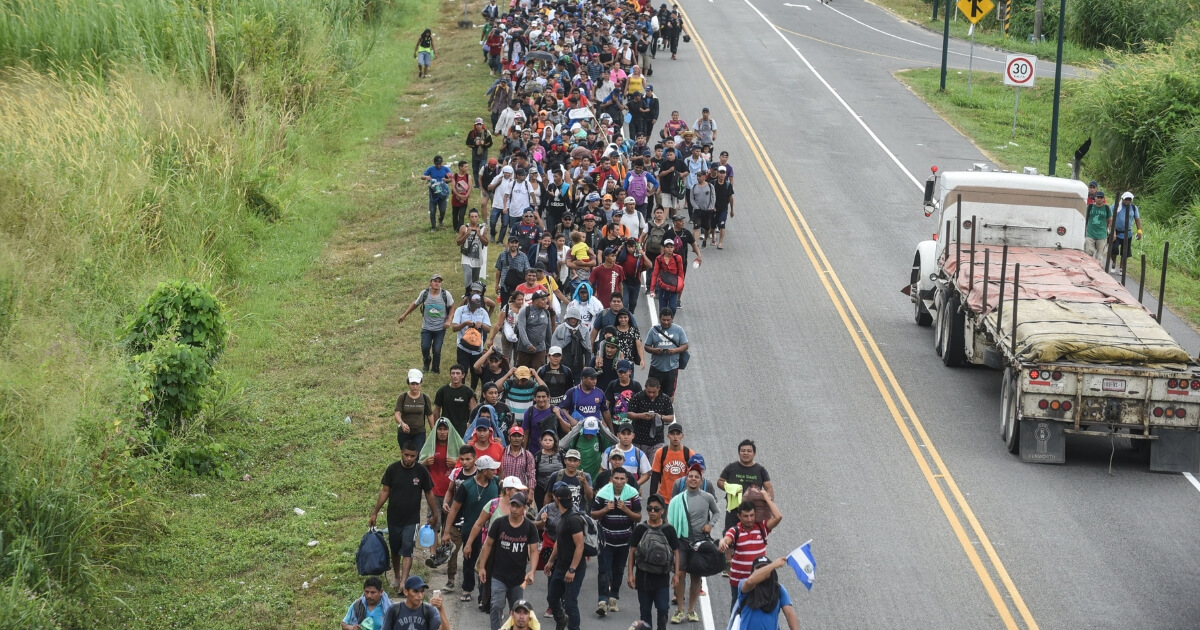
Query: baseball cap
x=562 y=491
x=492 y=162
x=607 y=197
x=675 y=427
x=516 y=430
x=523 y=372
x=415 y=583
x=589 y=371
x=539 y=294
x=436 y=276
x=521 y=171
x=624 y=426
x=514 y=239
x=592 y=197
x=518 y=498
x=668 y=243
x=554 y=350
x=569 y=454
x=630 y=201
x=1100 y=194
x=624 y=365
x=415 y=376
x=721 y=168
x=482 y=426
x=487 y=463
x=478 y=121
x=649 y=88
x=520 y=603
x=695 y=460
x=678 y=217
x=1093 y=183
x=610 y=251
x=591 y=426
x=513 y=482
x=589 y=217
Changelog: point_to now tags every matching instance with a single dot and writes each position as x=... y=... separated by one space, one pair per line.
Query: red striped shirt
x=748 y=546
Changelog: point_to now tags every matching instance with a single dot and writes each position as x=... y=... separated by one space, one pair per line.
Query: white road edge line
x=706 y=615
x=952 y=52
x=1192 y=479
x=832 y=91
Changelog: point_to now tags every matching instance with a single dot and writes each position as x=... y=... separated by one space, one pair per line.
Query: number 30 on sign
x=1019 y=70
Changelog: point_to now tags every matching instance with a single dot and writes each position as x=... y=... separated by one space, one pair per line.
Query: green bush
x=174 y=378
x=1137 y=110
x=1024 y=13
x=1177 y=172
x=1127 y=24
x=184 y=311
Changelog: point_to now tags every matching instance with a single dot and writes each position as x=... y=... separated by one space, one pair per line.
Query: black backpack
x=654 y=238
x=653 y=552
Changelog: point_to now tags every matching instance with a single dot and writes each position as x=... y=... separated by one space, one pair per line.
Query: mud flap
x=1175 y=450
x=1043 y=442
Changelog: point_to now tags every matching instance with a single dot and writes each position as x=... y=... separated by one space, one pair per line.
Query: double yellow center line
x=991 y=572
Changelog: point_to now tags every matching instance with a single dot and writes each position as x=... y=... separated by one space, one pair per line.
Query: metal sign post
x=973 y=10
x=1019 y=71
x=971 y=60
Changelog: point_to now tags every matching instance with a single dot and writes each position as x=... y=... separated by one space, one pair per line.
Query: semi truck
x=1004 y=283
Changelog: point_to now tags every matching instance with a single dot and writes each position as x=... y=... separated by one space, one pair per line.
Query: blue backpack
x=372 y=557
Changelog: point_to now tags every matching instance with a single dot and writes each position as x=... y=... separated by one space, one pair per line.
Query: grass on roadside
x=985 y=117
x=317 y=343
x=921 y=13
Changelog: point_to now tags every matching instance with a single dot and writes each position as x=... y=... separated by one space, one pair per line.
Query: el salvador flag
x=802 y=562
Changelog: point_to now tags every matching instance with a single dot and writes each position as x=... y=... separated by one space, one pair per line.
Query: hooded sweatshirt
x=444 y=456
x=533 y=329
x=589 y=310
x=574 y=342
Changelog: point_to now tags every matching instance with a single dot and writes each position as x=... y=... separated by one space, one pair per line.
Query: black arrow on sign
x=975 y=10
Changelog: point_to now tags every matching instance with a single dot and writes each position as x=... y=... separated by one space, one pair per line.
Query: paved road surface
x=775 y=360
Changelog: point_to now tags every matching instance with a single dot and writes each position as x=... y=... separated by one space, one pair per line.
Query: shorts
x=666 y=380
x=719 y=220
x=424 y=58
x=1119 y=244
x=685 y=550
x=671 y=201
x=703 y=219
x=402 y=539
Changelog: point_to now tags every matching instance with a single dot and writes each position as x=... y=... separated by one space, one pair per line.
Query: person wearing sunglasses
x=654 y=554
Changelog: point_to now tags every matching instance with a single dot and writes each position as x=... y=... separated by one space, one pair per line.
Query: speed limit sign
x=1019 y=70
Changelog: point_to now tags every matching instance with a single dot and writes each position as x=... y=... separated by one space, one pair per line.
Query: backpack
x=372 y=556
x=439 y=190
x=591 y=536
x=653 y=552
x=654 y=238
x=638 y=187
x=537 y=463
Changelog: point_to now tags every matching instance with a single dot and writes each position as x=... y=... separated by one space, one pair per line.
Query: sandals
x=465 y=597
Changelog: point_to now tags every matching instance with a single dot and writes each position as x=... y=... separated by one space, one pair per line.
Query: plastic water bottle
x=427 y=536
x=695 y=264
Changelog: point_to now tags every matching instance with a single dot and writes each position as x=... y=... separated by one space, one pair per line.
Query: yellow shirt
x=579 y=251
x=635 y=84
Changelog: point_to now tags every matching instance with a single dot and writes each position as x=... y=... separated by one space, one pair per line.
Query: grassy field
x=321 y=360
x=986 y=118
x=921 y=12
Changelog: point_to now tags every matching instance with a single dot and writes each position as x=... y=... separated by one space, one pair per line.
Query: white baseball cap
x=554 y=350
x=415 y=376
x=513 y=482
x=487 y=463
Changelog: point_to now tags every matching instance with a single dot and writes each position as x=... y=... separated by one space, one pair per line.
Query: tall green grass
x=140 y=141
x=1135 y=25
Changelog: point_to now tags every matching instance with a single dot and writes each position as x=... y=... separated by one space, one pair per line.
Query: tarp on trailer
x=1070 y=309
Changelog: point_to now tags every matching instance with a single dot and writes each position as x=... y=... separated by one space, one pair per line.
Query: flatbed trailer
x=1005 y=284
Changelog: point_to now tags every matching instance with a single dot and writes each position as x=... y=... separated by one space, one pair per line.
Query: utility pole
x=1038 y=12
x=1062 y=16
x=946 y=44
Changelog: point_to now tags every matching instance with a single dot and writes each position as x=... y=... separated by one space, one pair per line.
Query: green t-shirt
x=590 y=453
x=474 y=498
x=1097 y=221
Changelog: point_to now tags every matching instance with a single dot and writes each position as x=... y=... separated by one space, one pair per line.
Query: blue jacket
x=551 y=258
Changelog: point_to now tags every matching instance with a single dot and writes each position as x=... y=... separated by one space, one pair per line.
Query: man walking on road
x=567 y=565
x=403 y=484
x=670 y=463
x=617 y=508
x=748 y=541
x=745 y=474
x=650 y=410
x=691 y=513
x=655 y=553
x=469 y=500
x=514 y=543
x=534 y=329
x=665 y=343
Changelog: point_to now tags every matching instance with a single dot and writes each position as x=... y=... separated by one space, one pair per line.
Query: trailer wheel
x=952 y=325
x=1010 y=426
x=921 y=315
x=939 y=300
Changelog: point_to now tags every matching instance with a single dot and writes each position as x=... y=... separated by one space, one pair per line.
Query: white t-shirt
x=520 y=196
x=634 y=222
x=636 y=461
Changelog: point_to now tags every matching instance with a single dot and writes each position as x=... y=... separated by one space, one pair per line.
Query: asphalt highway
x=801 y=340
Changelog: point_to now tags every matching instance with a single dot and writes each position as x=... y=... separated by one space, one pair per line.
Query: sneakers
x=602 y=608
x=693 y=617
x=678 y=617
x=612 y=604
x=449 y=586
x=549 y=614
x=440 y=556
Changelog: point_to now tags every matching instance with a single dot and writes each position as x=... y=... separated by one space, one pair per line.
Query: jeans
x=659 y=599
x=503 y=597
x=468 y=566
x=417 y=438
x=494 y=222
x=437 y=210
x=563 y=597
x=477 y=163
x=631 y=292
x=611 y=567
x=431 y=344
x=458 y=216
x=667 y=299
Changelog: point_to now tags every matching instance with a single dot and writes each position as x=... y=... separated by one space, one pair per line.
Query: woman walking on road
x=424 y=53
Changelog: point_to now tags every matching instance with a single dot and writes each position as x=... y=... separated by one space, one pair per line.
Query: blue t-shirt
x=581 y=404
x=1119 y=219
x=375 y=615
x=665 y=362
x=400 y=616
x=755 y=619
x=437 y=173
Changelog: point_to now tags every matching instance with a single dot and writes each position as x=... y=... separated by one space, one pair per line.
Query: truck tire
x=1010 y=426
x=952 y=325
x=921 y=315
x=939 y=302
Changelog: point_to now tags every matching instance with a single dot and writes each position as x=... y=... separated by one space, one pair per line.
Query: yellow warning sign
x=974 y=10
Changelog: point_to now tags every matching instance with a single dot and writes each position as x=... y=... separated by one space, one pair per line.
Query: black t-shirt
x=722 y=192
x=569 y=525
x=683 y=242
x=653 y=581
x=510 y=547
x=406 y=486
x=745 y=476
x=618 y=395
x=557 y=381
x=455 y=404
x=644 y=431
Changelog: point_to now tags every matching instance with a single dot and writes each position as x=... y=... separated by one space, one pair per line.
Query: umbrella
x=540 y=55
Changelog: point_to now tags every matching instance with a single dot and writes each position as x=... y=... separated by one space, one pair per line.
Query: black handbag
x=705 y=558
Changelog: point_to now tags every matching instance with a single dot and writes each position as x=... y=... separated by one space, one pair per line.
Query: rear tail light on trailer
x=1054 y=405
x=1170 y=412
